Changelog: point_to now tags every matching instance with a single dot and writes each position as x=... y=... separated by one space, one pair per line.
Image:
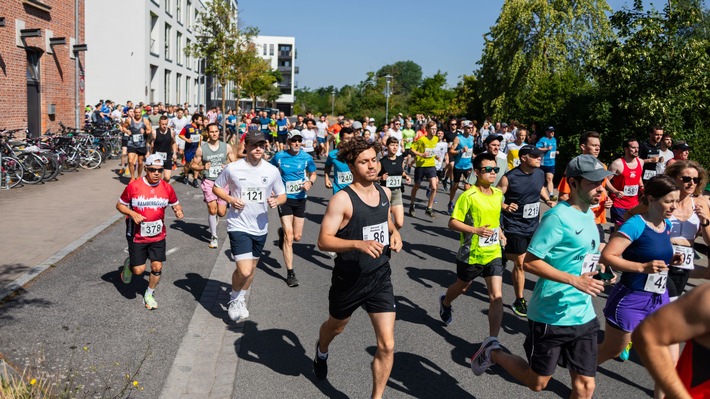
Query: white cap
x=153 y=160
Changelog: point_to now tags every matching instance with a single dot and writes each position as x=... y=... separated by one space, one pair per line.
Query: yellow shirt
x=425 y=145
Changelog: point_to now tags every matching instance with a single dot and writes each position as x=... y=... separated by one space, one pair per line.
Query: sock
x=290 y=272
x=212 y=219
x=241 y=295
x=233 y=295
x=320 y=354
x=149 y=291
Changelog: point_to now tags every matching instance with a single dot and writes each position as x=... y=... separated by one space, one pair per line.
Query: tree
x=407 y=75
x=261 y=82
x=225 y=47
x=432 y=97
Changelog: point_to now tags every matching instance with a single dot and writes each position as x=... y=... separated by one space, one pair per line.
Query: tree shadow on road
x=209 y=293
x=282 y=352
x=421 y=378
x=9 y=272
x=17 y=302
x=310 y=253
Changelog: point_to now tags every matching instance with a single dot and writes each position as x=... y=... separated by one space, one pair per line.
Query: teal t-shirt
x=565 y=237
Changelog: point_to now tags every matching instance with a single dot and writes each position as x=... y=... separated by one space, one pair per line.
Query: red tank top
x=628 y=183
x=693 y=370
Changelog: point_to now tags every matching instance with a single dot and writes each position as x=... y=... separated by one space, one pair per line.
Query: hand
x=608 y=203
x=307 y=185
x=328 y=183
x=384 y=176
x=273 y=202
x=372 y=248
x=702 y=212
x=587 y=284
x=208 y=165
x=465 y=149
x=484 y=231
x=655 y=266
x=178 y=212
x=137 y=217
x=395 y=241
x=237 y=203
x=408 y=179
x=512 y=207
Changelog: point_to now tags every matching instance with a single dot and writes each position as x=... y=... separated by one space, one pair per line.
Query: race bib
x=137 y=138
x=378 y=232
x=687 y=256
x=467 y=154
x=308 y=143
x=590 y=263
x=394 y=181
x=553 y=154
x=648 y=173
x=254 y=194
x=345 y=177
x=630 y=191
x=151 y=229
x=656 y=282
x=195 y=138
x=264 y=127
x=214 y=171
x=162 y=155
x=282 y=128
x=428 y=153
x=488 y=241
x=294 y=187
x=531 y=210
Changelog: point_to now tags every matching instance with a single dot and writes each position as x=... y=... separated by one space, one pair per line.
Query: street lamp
x=388 y=79
x=332 y=103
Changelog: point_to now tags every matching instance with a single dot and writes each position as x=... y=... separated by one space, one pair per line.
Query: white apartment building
x=281 y=51
x=137 y=51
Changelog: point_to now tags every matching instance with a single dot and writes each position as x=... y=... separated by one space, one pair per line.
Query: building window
x=188 y=62
x=180 y=50
x=178 y=11
x=178 y=88
x=187 y=88
x=166 y=87
x=188 y=15
x=271 y=49
x=169 y=7
x=265 y=47
x=168 y=40
x=154 y=40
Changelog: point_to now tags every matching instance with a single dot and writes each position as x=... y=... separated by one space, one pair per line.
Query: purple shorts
x=626 y=308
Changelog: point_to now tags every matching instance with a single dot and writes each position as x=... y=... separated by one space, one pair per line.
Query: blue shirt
x=646 y=245
x=264 y=125
x=549 y=158
x=463 y=159
x=564 y=239
x=281 y=123
x=294 y=171
x=341 y=172
x=232 y=122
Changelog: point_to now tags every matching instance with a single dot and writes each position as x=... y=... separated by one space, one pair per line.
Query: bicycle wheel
x=52 y=167
x=12 y=172
x=71 y=160
x=90 y=158
x=34 y=168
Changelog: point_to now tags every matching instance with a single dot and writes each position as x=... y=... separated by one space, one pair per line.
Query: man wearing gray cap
x=564 y=254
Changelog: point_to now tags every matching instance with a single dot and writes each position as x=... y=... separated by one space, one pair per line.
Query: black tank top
x=367 y=222
x=163 y=141
x=524 y=190
x=392 y=168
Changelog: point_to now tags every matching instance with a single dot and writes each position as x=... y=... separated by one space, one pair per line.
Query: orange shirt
x=599 y=210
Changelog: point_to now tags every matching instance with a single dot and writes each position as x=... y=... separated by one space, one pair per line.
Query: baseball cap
x=681 y=145
x=372 y=119
x=588 y=167
x=492 y=137
x=148 y=108
x=294 y=133
x=550 y=129
x=357 y=125
x=254 y=137
x=503 y=124
x=529 y=150
x=467 y=123
x=153 y=160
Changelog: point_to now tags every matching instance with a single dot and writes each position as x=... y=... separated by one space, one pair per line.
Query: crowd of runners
x=496 y=176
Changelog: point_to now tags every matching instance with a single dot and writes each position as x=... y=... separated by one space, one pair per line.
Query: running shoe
x=237 y=310
x=520 y=307
x=624 y=356
x=149 y=301
x=411 y=210
x=320 y=366
x=451 y=208
x=126 y=273
x=195 y=183
x=121 y=171
x=291 y=280
x=446 y=312
x=185 y=180
x=127 y=173
x=481 y=360
x=430 y=213
x=214 y=242
x=281 y=238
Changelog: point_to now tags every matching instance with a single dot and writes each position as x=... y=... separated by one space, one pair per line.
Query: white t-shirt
x=309 y=140
x=322 y=129
x=178 y=125
x=667 y=156
x=253 y=185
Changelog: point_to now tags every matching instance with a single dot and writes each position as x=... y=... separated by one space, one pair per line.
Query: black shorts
x=571 y=347
x=601 y=233
x=295 y=207
x=281 y=138
x=677 y=280
x=467 y=272
x=421 y=173
x=141 y=151
x=139 y=253
x=466 y=173
x=373 y=291
x=517 y=244
x=548 y=169
x=124 y=141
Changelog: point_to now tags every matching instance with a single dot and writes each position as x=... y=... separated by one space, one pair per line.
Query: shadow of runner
x=196 y=285
x=421 y=378
x=138 y=283
x=195 y=230
x=282 y=352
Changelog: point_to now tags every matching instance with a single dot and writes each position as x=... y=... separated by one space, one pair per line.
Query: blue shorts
x=626 y=308
x=617 y=215
x=321 y=140
x=548 y=169
x=246 y=246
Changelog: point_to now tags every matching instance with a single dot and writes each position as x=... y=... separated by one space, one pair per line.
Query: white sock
x=320 y=354
x=241 y=295
x=212 y=219
x=149 y=291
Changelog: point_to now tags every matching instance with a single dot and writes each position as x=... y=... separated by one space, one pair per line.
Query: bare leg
x=244 y=274
x=495 y=305
x=615 y=341
x=383 y=324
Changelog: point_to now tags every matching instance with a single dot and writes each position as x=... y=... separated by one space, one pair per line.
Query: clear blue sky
x=339 y=41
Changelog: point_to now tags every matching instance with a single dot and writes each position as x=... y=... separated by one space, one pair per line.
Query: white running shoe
x=237 y=310
x=214 y=242
x=481 y=360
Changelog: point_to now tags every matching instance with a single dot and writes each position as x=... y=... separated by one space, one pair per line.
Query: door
x=34 y=101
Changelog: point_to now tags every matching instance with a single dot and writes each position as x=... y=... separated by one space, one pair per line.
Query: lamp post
x=332 y=102
x=388 y=79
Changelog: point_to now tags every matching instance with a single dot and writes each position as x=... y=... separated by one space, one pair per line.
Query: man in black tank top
x=358 y=227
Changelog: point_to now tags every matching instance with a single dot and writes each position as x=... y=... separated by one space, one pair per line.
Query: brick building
x=41 y=64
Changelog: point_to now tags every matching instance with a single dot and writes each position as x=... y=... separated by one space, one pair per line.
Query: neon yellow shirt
x=425 y=145
x=477 y=209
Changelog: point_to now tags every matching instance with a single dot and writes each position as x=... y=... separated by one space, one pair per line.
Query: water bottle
x=7 y=181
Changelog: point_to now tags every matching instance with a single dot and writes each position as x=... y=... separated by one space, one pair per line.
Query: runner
x=125 y=137
x=343 y=176
x=321 y=136
x=308 y=135
x=177 y=124
x=649 y=152
x=626 y=185
x=548 y=145
x=391 y=175
x=423 y=149
x=212 y=157
x=298 y=172
x=408 y=135
x=492 y=145
x=358 y=227
x=192 y=135
x=681 y=152
x=514 y=148
x=563 y=325
x=143 y=202
x=163 y=145
x=256 y=186
x=665 y=153
x=140 y=129
x=477 y=217
x=461 y=150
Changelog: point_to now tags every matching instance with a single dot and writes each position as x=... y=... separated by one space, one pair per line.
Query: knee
x=537 y=385
x=495 y=299
x=584 y=388
x=156 y=266
x=222 y=212
x=288 y=237
x=297 y=237
x=385 y=347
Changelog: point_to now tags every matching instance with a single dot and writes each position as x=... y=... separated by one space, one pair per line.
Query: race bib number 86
x=378 y=232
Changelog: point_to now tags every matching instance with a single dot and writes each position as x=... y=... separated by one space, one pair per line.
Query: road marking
x=171 y=250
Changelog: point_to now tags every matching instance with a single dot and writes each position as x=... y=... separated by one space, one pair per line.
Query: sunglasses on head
x=154 y=170
x=489 y=169
x=688 y=179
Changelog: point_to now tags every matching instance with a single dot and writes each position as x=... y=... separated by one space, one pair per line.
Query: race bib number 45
x=254 y=194
x=377 y=232
x=151 y=229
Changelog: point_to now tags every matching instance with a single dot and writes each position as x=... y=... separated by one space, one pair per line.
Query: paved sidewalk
x=40 y=221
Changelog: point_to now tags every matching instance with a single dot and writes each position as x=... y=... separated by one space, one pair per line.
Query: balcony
x=295 y=71
x=285 y=54
x=285 y=69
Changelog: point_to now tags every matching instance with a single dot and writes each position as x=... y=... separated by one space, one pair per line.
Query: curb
x=56 y=257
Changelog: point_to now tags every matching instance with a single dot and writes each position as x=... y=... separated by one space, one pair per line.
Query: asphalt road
x=78 y=323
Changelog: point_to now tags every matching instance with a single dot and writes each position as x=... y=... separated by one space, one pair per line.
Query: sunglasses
x=154 y=170
x=489 y=169
x=688 y=179
x=296 y=140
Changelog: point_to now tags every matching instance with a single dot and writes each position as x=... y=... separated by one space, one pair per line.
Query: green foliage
x=406 y=76
x=432 y=97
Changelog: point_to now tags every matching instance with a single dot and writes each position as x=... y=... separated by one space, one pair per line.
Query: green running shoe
x=149 y=301
x=126 y=273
